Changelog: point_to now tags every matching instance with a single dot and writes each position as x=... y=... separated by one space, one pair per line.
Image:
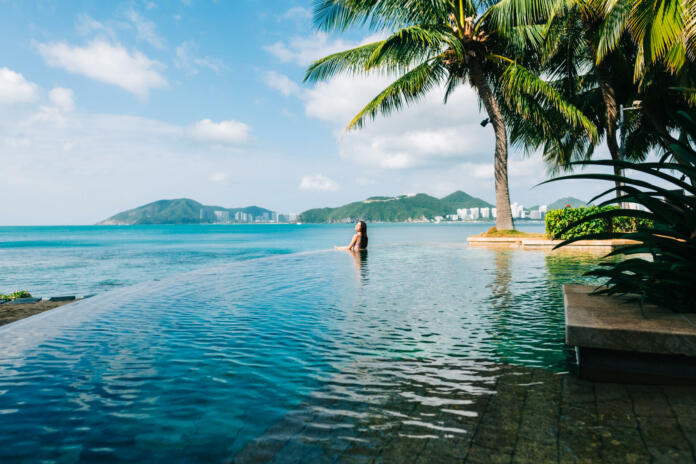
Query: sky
x=107 y=105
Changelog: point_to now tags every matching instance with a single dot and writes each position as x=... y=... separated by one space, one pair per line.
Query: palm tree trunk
x=503 y=219
x=612 y=115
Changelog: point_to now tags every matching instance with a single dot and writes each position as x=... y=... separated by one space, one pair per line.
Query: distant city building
x=462 y=214
x=517 y=210
x=485 y=213
x=536 y=214
x=222 y=216
x=474 y=213
x=543 y=209
x=494 y=212
x=287 y=217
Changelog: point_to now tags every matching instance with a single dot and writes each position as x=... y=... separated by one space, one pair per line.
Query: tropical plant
x=666 y=190
x=589 y=53
x=567 y=60
x=558 y=221
x=446 y=43
x=663 y=31
x=14 y=295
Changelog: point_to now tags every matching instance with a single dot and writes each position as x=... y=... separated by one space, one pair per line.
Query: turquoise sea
x=82 y=260
x=241 y=344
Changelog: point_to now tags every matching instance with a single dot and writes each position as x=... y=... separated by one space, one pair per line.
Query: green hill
x=563 y=202
x=178 y=211
x=395 y=209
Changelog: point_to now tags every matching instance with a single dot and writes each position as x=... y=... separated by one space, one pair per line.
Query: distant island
x=420 y=207
x=187 y=211
x=404 y=208
x=458 y=206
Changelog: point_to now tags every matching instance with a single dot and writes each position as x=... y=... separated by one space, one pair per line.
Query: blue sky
x=105 y=106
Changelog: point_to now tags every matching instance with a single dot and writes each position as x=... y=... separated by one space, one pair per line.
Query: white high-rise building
x=474 y=213
x=517 y=210
x=485 y=213
x=494 y=212
x=543 y=209
x=462 y=213
x=222 y=216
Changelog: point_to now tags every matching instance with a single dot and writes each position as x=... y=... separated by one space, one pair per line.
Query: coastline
x=15 y=312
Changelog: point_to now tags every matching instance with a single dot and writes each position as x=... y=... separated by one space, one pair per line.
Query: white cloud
x=281 y=82
x=483 y=171
x=219 y=177
x=318 y=182
x=223 y=131
x=186 y=59
x=62 y=98
x=305 y=50
x=297 y=13
x=425 y=133
x=146 y=29
x=14 y=88
x=107 y=62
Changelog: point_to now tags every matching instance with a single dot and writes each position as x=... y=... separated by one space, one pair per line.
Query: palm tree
x=589 y=56
x=663 y=31
x=446 y=43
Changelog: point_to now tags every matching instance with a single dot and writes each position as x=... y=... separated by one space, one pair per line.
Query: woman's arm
x=354 y=242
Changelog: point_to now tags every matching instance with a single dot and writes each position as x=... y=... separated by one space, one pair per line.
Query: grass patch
x=495 y=233
x=17 y=294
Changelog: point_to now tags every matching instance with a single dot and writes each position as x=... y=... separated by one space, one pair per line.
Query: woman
x=359 y=241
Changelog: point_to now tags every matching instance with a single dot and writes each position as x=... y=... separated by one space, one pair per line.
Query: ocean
x=85 y=260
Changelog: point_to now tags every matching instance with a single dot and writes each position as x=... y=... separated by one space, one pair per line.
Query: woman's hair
x=363 y=234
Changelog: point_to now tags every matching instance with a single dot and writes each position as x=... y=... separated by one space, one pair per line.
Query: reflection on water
x=360 y=259
x=205 y=363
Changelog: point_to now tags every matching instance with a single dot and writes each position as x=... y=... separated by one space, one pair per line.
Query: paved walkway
x=518 y=415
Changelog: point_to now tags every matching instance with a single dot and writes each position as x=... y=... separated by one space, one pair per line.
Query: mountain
x=178 y=211
x=461 y=199
x=563 y=202
x=395 y=209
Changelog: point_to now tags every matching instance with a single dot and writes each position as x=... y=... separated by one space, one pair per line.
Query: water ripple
x=325 y=348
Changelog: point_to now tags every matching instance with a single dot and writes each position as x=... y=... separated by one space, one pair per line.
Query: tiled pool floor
x=520 y=415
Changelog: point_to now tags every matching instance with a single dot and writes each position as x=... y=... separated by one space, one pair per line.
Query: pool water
x=203 y=366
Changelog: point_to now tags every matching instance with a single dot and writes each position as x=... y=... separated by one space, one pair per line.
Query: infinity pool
x=280 y=353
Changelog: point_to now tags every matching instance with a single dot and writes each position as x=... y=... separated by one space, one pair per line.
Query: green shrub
x=17 y=294
x=558 y=220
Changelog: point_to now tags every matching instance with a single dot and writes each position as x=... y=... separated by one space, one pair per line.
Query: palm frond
x=613 y=26
x=409 y=88
x=518 y=79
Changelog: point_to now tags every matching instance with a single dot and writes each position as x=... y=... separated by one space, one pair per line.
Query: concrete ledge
x=545 y=243
x=616 y=342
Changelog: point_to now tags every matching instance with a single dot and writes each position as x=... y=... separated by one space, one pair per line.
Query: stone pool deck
x=14 y=312
x=543 y=243
x=526 y=416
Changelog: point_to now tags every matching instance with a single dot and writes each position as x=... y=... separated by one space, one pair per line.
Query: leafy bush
x=558 y=222
x=667 y=276
x=17 y=294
